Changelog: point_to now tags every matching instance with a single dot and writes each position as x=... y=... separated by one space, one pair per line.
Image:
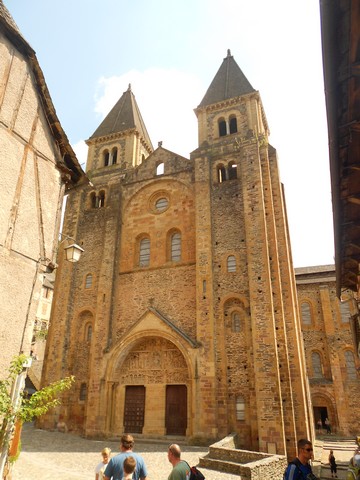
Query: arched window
x=232 y=170
x=88 y=334
x=101 y=199
x=88 y=281
x=106 y=156
x=144 y=256
x=345 y=311
x=236 y=325
x=114 y=152
x=176 y=247
x=160 y=169
x=231 y=263
x=83 y=389
x=221 y=173
x=316 y=365
x=222 y=127
x=240 y=408
x=233 y=124
x=93 y=199
x=306 y=313
x=350 y=365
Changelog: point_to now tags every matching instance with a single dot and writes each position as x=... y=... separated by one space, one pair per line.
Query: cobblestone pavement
x=63 y=456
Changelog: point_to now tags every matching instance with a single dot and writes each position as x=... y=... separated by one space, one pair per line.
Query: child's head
x=129 y=465
x=106 y=454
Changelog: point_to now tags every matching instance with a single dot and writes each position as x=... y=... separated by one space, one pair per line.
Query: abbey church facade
x=182 y=316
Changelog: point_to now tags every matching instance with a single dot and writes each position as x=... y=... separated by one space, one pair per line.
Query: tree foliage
x=28 y=408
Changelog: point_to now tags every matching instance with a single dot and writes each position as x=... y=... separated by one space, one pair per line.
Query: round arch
x=122 y=350
x=324 y=405
x=140 y=374
x=234 y=296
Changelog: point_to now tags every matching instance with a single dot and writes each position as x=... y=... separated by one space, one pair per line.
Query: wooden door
x=176 y=410
x=134 y=411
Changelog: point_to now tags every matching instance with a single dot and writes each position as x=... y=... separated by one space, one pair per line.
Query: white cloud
x=166 y=99
x=80 y=148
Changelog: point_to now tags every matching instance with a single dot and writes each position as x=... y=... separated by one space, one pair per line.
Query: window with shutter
x=144 y=257
x=306 y=313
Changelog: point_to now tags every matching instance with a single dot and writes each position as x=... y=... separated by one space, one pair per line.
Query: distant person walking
x=319 y=425
x=327 y=425
x=333 y=466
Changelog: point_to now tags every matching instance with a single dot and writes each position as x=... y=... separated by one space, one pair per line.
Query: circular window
x=161 y=204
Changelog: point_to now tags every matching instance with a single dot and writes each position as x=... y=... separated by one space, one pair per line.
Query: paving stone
x=49 y=455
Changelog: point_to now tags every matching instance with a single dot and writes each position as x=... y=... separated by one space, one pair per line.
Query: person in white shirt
x=100 y=468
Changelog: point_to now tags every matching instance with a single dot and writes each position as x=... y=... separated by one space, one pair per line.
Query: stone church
x=181 y=317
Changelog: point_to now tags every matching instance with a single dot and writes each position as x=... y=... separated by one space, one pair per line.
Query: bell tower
x=231 y=108
x=245 y=283
x=121 y=140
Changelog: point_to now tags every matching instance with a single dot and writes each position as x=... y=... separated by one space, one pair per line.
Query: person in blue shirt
x=300 y=468
x=115 y=470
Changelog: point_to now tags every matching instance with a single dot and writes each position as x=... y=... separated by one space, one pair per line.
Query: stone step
x=272 y=466
x=235 y=455
x=339 y=467
x=336 y=439
x=223 y=454
x=341 y=472
x=220 y=465
x=161 y=440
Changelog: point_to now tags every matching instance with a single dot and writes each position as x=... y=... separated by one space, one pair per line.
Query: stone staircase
x=224 y=457
x=343 y=448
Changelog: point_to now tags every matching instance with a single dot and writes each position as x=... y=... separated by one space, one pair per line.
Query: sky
x=169 y=51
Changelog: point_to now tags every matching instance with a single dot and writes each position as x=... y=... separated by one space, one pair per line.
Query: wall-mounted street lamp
x=72 y=252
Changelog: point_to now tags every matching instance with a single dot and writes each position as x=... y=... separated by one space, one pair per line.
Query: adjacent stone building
x=37 y=166
x=182 y=318
x=330 y=327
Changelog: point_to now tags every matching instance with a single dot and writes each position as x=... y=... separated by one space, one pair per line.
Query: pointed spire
x=123 y=116
x=229 y=82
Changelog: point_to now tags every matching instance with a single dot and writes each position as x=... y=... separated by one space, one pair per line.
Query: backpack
x=296 y=462
x=293 y=462
x=195 y=474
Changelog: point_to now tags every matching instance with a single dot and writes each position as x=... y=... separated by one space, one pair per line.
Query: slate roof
x=229 y=82
x=68 y=163
x=124 y=115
